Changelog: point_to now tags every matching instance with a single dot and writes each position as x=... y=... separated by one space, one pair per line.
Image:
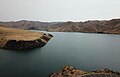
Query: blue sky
x=59 y=10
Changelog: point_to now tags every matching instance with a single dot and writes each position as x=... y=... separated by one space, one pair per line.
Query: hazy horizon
x=59 y=10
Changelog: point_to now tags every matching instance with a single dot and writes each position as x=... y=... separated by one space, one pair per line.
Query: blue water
x=81 y=50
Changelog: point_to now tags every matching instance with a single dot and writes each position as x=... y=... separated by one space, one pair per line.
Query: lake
x=85 y=51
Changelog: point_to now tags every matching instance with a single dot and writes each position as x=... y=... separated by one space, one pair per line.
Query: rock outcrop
x=70 y=71
x=11 y=38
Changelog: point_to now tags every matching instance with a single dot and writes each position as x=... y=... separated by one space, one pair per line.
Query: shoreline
x=70 y=71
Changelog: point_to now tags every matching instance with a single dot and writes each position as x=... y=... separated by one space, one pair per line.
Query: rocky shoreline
x=70 y=71
x=16 y=39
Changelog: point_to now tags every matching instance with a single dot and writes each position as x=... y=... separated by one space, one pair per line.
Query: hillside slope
x=96 y=26
x=112 y=26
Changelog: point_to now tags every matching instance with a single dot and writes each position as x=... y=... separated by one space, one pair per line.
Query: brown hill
x=105 y=26
x=112 y=26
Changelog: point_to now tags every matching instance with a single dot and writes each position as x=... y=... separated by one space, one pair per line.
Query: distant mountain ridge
x=95 y=26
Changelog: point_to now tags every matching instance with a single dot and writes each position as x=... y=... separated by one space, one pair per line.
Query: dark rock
x=23 y=45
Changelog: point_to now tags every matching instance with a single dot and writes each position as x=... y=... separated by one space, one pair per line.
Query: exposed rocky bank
x=70 y=71
x=11 y=38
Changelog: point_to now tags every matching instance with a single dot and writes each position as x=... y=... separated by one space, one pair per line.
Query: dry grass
x=17 y=34
x=7 y=34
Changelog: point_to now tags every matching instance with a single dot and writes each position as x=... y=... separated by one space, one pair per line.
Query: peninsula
x=17 y=39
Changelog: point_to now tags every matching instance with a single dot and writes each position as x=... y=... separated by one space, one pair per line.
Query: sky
x=59 y=10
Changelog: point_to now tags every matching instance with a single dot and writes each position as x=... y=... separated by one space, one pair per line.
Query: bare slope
x=109 y=27
x=95 y=26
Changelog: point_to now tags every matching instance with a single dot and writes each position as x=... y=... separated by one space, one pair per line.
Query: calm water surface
x=82 y=50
